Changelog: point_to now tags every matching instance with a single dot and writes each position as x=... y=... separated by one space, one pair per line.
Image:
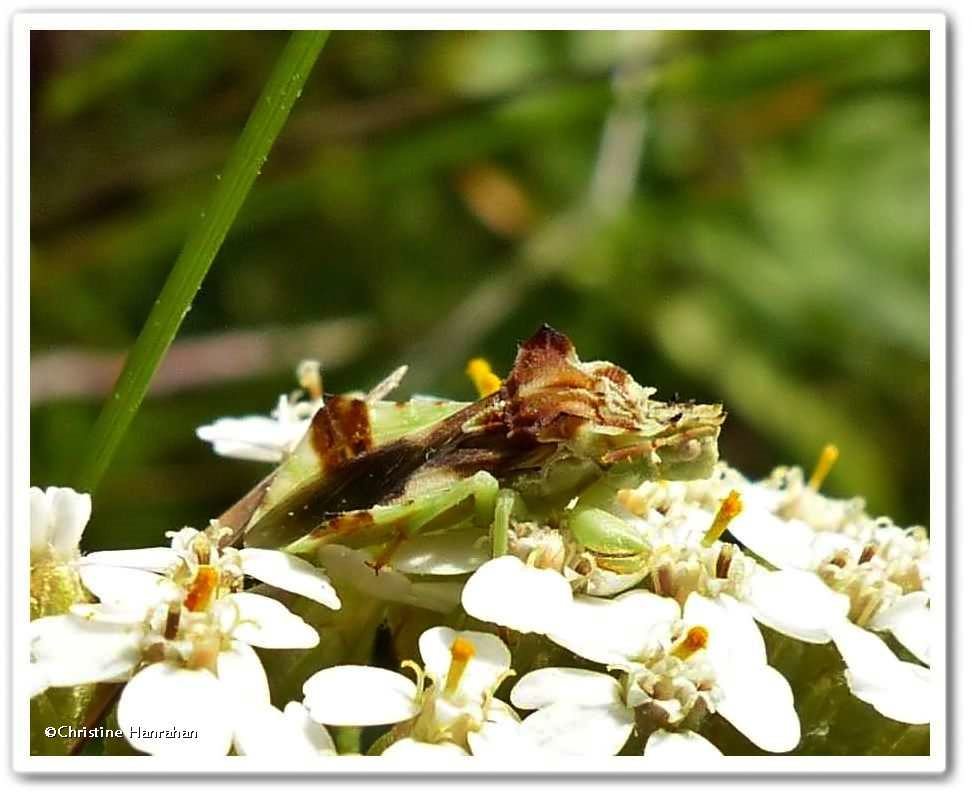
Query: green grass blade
x=245 y=161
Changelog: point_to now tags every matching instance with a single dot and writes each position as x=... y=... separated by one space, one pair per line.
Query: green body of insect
x=558 y=428
x=612 y=542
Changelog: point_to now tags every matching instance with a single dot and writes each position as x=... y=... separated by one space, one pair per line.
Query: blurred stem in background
x=250 y=152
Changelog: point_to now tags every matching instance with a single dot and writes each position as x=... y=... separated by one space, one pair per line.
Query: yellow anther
x=203 y=589
x=462 y=651
x=731 y=507
x=826 y=462
x=309 y=378
x=201 y=548
x=482 y=376
x=695 y=639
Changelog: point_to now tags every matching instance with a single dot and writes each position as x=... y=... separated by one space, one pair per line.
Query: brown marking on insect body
x=615 y=374
x=545 y=387
x=546 y=360
x=340 y=430
x=550 y=393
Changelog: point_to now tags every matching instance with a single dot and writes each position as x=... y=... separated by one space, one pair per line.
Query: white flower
x=875 y=575
x=183 y=639
x=898 y=690
x=676 y=563
x=676 y=666
x=510 y=593
x=271 y=438
x=454 y=714
x=836 y=563
x=266 y=439
x=107 y=573
x=58 y=517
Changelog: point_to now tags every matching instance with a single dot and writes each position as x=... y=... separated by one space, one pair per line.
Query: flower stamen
x=172 y=619
x=202 y=591
x=695 y=639
x=201 y=548
x=828 y=456
x=481 y=373
x=462 y=651
x=309 y=378
x=731 y=507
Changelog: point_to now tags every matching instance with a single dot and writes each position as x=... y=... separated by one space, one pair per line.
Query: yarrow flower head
x=843 y=575
x=58 y=517
x=176 y=625
x=676 y=666
x=449 y=710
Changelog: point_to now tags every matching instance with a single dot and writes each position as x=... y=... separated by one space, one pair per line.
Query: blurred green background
x=731 y=215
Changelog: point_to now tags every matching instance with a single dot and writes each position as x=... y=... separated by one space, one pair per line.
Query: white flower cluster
x=176 y=627
x=646 y=610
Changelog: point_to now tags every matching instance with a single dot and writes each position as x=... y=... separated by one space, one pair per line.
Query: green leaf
x=244 y=164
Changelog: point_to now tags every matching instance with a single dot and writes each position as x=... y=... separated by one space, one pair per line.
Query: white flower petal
x=163 y=696
x=826 y=544
x=266 y=623
x=499 y=735
x=358 y=695
x=490 y=660
x=607 y=583
x=898 y=690
x=909 y=620
x=263 y=730
x=71 y=512
x=299 y=718
x=157 y=558
x=611 y=631
x=448 y=553
x=679 y=748
x=414 y=750
x=128 y=586
x=907 y=697
x=109 y=613
x=509 y=593
x=241 y=673
x=574 y=686
x=734 y=641
x=73 y=651
x=782 y=543
x=568 y=730
x=41 y=522
x=796 y=603
x=257 y=438
x=58 y=517
x=290 y=573
x=758 y=701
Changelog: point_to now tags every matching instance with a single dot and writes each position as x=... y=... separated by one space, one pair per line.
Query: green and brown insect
x=556 y=428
